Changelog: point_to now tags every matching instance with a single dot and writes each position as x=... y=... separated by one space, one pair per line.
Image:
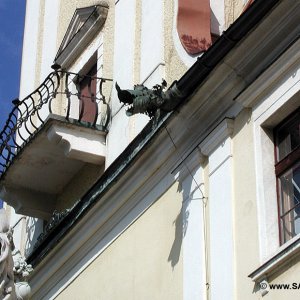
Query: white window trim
x=277 y=105
x=278 y=260
x=273 y=96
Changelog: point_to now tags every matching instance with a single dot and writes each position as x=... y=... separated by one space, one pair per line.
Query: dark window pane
x=88 y=105
x=289 y=184
x=288 y=137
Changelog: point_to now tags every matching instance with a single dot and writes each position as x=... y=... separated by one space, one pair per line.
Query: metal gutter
x=182 y=90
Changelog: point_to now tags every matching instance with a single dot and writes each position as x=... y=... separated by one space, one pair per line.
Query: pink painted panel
x=193 y=25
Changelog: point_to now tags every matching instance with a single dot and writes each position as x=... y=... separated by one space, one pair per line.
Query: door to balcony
x=88 y=90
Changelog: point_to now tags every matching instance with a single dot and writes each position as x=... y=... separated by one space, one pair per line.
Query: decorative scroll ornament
x=13 y=267
x=21 y=271
x=7 y=287
x=193 y=25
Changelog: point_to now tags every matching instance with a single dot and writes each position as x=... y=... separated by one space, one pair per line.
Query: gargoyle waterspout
x=148 y=101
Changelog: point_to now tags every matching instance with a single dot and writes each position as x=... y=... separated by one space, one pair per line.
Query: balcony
x=48 y=137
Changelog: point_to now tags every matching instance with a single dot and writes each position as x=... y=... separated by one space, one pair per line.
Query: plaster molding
x=188 y=164
x=278 y=261
x=85 y=23
x=79 y=144
x=269 y=79
x=194 y=239
x=273 y=106
x=34 y=205
x=217 y=136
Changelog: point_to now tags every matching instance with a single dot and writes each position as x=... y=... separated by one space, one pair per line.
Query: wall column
x=218 y=147
x=194 y=244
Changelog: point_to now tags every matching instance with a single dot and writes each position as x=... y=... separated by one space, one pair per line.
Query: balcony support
x=79 y=144
x=50 y=159
x=38 y=204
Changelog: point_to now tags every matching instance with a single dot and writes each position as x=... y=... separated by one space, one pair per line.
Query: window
x=88 y=105
x=287 y=169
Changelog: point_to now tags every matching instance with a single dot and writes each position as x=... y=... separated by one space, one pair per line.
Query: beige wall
x=289 y=275
x=245 y=214
x=233 y=9
x=138 y=265
x=175 y=68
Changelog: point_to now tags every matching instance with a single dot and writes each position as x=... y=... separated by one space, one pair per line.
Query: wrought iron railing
x=72 y=96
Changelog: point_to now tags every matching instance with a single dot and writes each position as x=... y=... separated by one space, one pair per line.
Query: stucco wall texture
x=145 y=262
x=245 y=218
x=289 y=275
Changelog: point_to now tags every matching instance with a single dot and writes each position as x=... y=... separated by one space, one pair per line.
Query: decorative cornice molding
x=188 y=164
x=217 y=136
x=269 y=79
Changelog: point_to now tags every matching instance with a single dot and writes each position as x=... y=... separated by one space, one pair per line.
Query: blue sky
x=12 y=13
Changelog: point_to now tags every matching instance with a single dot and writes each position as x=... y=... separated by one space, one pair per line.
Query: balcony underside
x=46 y=164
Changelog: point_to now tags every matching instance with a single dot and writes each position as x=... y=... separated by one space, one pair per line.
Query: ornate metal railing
x=69 y=95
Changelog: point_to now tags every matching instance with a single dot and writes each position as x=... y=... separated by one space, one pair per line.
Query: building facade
x=125 y=188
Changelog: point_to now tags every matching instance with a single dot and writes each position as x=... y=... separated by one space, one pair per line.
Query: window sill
x=278 y=261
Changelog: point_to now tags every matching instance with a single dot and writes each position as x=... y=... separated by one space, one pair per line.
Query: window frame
x=282 y=166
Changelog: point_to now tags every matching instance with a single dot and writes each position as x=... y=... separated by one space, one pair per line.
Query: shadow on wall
x=34 y=227
x=181 y=222
x=215 y=25
x=176 y=246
